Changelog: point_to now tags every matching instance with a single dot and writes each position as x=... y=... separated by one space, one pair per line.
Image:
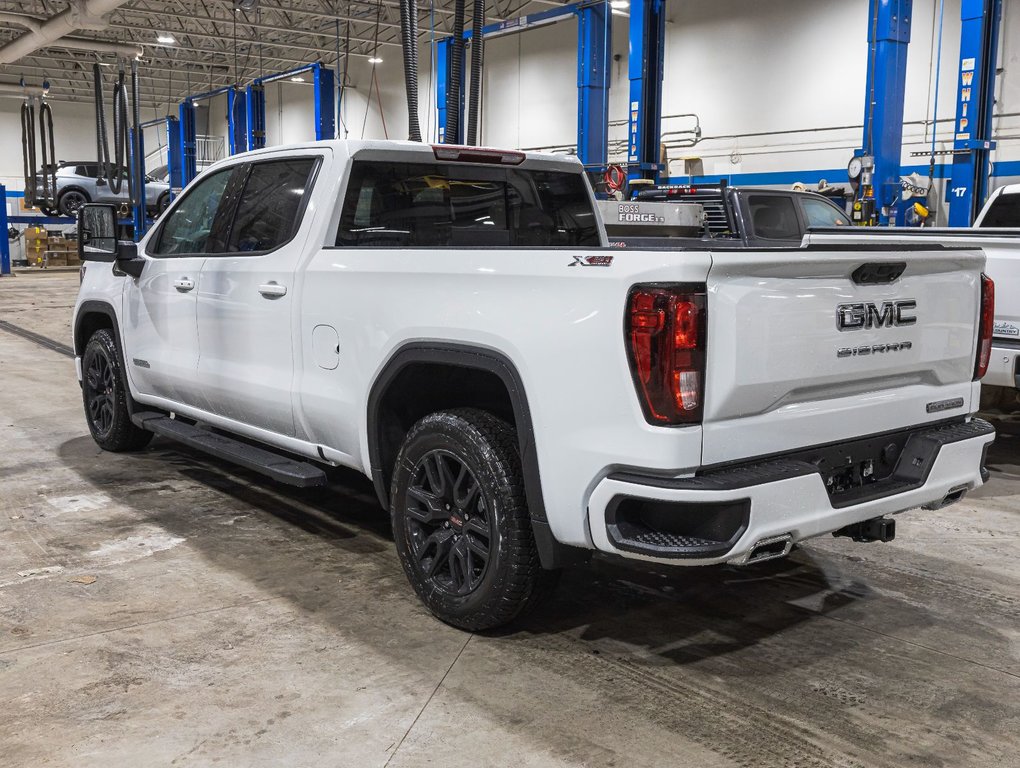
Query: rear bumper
x=1002 y=365
x=722 y=515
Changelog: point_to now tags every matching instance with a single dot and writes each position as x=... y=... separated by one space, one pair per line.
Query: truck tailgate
x=801 y=353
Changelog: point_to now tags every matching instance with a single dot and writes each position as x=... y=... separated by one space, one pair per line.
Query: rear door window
x=1003 y=212
x=421 y=205
x=774 y=217
x=271 y=204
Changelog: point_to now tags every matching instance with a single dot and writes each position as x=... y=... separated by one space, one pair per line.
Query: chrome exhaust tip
x=770 y=548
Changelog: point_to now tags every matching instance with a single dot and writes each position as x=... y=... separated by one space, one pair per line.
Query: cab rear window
x=421 y=205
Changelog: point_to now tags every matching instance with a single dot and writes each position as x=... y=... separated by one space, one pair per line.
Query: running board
x=290 y=471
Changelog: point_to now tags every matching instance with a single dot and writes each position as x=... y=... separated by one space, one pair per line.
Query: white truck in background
x=450 y=322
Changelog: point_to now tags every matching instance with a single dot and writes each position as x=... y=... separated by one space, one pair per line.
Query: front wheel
x=106 y=397
x=461 y=521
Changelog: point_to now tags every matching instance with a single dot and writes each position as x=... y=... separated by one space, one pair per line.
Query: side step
x=297 y=473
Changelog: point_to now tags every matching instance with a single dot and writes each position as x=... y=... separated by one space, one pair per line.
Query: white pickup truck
x=449 y=321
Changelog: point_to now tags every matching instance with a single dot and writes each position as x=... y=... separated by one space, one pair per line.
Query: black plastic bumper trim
x=920 y=448
x=630 y=535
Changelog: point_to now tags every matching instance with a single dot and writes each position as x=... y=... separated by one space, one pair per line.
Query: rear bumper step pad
x=301 y=474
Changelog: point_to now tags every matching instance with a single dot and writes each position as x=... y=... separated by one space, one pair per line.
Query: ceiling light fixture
x=375 y=60
x=619 y=5
x=166 y=39
x=297 y=79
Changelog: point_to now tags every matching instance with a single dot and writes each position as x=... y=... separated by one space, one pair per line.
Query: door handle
x=273 y=290
x=184 y=284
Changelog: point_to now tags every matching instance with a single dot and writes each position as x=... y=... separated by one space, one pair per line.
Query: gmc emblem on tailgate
x=859 y=317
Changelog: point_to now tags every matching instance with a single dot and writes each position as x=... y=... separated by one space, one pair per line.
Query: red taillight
x=477 y=154
x=984 y=353
x=666 y=345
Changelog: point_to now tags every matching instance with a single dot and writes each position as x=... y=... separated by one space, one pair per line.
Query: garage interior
x=165 y=608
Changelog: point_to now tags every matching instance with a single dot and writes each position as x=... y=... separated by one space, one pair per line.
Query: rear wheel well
x=422 y=388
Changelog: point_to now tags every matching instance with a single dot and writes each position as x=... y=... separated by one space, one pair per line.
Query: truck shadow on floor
x=730 y=608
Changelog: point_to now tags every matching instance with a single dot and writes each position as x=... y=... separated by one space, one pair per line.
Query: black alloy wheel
x=461 y=523
x=448 y=524
x=106 y=397
x=100 y=392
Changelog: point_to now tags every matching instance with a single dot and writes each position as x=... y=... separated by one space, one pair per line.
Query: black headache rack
x=713 y=197
x=854 y=472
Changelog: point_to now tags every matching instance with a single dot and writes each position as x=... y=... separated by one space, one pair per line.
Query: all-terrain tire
x=105 y=396
x=431 y=509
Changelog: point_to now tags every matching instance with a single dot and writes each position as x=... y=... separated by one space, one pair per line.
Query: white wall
x=74 y=137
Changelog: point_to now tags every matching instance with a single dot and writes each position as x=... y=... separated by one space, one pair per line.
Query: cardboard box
x=55 y=259
x=35 y=234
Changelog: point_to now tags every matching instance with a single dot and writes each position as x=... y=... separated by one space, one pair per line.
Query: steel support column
x=975 y=98
x=645 y=64
x=889 y=23
x=189 y=139
x=237 y=121
x=594 y=59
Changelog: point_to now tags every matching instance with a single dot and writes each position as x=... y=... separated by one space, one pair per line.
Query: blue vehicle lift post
x=594 y=55
x=5 y=244
x=139 y=213
x=237 y=121
x=594 y=59
x=189 y=135
x=975 y=98
x=644 y=127
x=444 y=58
x=889 y=24
x=324 y=83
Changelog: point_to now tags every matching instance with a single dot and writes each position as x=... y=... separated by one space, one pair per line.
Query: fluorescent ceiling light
x=375 y=60
x=297 y=79
x=620 y=5
x=166 y=39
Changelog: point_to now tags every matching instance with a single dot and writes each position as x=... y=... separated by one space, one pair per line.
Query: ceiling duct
x=53 y=32
x=20 y=91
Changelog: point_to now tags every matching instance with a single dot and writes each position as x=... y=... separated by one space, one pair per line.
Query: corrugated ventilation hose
x=451 y=134
x=49 y=153
x=29 y=151
x=409 y=44
x=475 y=94
x=102 y=140
x=121 y=153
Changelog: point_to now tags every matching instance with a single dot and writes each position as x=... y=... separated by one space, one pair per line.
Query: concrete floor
x=161 y=609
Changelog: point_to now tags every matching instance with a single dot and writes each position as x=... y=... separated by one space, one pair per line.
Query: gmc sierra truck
x=451 y=322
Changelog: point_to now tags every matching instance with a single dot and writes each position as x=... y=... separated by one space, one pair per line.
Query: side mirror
x=97 y=232
x=97 y=239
